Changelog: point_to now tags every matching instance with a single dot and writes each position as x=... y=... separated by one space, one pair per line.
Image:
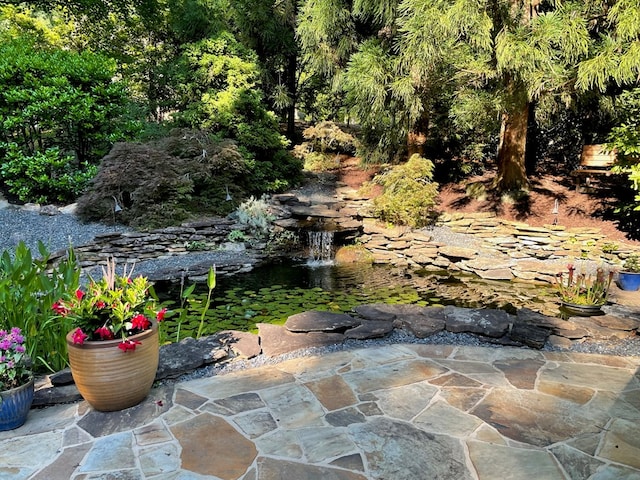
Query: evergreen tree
x=404 y=60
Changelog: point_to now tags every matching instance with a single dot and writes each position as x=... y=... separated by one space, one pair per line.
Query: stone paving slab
x=385 y=413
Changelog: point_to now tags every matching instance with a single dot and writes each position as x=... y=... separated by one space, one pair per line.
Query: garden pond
x=272 y=293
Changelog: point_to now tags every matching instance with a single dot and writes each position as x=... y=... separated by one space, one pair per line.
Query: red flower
x=140 y=322
x=160 y=315
x=104 y=333
x=127 y=345
x=59 y=308
x=79 y=294
x=79 y=336
x=100 y=304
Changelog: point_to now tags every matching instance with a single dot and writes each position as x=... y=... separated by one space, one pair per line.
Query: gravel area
x=57 y=232
x=60 y=231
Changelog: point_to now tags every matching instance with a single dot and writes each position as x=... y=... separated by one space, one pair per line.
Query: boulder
x=488 y=322
x=319 y=321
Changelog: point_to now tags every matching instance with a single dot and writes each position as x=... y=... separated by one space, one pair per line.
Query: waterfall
x=320 y=248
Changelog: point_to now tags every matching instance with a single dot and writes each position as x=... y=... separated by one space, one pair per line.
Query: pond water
x=270 y=294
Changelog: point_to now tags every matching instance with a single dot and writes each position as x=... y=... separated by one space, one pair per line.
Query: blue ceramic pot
x=629 y=280
x=15 y=405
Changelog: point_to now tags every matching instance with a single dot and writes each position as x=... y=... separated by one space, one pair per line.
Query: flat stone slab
x=537 y=419
x=276 y=339
x=370 y=329
x=425 y=325
x=189 y=354
x=616 y=322
x=529 y=335
x=319 y=321
x=375 y=311
x=458 y=252
x=488 y=322
x=498 y=461
x=243 y=344
x=203 y=452
x=409 y=452
x=273 y=469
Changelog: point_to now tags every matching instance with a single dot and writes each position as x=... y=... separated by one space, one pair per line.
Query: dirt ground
x=548 y=194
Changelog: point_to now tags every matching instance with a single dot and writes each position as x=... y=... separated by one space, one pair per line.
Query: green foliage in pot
x=113 y=307
x=582 y=289
x=632 y=263
x=28 y=288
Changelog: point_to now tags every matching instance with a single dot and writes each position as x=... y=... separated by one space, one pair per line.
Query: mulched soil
x=588 y=207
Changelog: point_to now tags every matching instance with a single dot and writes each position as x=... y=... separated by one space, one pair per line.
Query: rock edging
x=317 y=329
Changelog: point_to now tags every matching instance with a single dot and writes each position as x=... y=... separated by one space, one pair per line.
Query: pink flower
x=59 y=308
x=127 y=345
x=104 y=333
x=79 y=336
x=140 y=322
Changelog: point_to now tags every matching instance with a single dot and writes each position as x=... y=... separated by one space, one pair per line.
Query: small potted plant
x=113 y=347
x=16 y=380
x=583 y=294
x=629 y=275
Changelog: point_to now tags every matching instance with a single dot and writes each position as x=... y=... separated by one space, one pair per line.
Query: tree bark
x=512 y=173
x=417 y=137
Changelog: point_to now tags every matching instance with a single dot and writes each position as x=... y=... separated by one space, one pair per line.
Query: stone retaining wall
x=493 y=248
x=136 y=247
x=478 y=243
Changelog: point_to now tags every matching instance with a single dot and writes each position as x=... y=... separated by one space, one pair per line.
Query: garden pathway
x=391 y=412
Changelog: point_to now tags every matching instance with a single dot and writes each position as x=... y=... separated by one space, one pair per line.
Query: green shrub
x=256 y=214
x=328 y=137
x=216 y=81
x=321 y=162
x=409 y=194
x=55 y=97
x=27 y=292
x=237 y=236
x=45 y=177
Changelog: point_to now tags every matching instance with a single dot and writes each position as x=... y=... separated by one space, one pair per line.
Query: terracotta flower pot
x=110 y=379
x=15 y=405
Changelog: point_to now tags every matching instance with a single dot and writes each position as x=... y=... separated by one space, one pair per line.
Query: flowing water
x=321 y=248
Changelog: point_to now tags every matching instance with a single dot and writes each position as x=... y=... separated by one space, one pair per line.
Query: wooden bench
x=594 y=161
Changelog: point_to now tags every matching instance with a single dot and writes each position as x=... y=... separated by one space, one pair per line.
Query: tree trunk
x=512 y=173
x=417 y=137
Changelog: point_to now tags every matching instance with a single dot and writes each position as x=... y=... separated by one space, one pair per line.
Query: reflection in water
x=272 y=293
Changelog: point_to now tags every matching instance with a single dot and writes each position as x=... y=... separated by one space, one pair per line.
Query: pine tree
x=401 y=58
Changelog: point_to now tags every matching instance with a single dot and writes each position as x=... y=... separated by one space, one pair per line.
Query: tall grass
x=28 y=289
